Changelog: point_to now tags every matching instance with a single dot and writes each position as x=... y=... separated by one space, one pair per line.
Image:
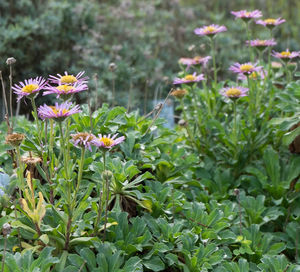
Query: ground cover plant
x=107 y=189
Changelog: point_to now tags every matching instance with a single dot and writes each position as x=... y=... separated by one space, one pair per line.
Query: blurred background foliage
x=144 y=38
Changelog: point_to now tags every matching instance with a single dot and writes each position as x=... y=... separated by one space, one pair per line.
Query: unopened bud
x=10 y=61
x=6 y=229
x=236 y=191
x=107 y=175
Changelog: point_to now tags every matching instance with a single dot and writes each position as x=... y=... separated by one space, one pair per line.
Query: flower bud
x=6 y=229
x=112 y=67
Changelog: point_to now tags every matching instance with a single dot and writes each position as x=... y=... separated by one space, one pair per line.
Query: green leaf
x=155 y=264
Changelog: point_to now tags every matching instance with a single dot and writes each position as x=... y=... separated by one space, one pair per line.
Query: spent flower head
x=179 y=93
x=57 y=112
x=247 y=15
x=107 y=141
x=210 y=30
x=14 y=139
x=245 y=68
x=83 y=139
x=190 y=78
x=234 y=92
x=29 y=88
x=68 y=79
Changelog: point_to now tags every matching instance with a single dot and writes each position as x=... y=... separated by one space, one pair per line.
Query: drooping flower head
x=58 y=112
x=261 y=44
x=286 y=55
x=65 y=91
x=29 y=88
x=107 y=142
x=179 y=93
x=189 y=79
x=210 y=30
x=245 y=68
x=234 y=92
x=247 y=15
x=194 y=61
x=83 y=139
x=270 y=23
x=67 y=79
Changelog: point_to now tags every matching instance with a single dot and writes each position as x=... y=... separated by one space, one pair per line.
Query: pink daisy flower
x=247 y=15
x=83 y=139
x=189 y=79
x=254 y=75
x=57 y=112
x=245 y=68
x=270 y=22
x=194 y=61
x=29 y=88
x=65 y=90
x=261 y=44
x=286 y=55
x=210 y=30
x=234 y=92
x=67 y=79
x=107 y=142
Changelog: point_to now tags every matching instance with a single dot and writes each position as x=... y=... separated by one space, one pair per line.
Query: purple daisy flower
x=254 y=75
x=247 y=15
x=65 y=90
x=245 y=68
x=67 y=79
x=29 y=87
x=234 y=92
x=270 y=22
x=286 y=55
x=194 y=61
x=57 y=112
x=261 y=44
x=83 y=139
x=107 y=141
x=210 y=30
x=189 y=79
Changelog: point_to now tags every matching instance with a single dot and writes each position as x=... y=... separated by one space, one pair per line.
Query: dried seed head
x=31 y=161
x=6 y=229
x=10 y=61
x=180 y=93
x=14 y=139
x=112 y=66
x=182 y=123
x=236 y=191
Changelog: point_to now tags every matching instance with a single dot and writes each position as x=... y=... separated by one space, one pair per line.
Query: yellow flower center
x=209 y=29
x=64 y=88
x=233 y=92
x=69 y=79
x=56 y=111
x=107 y=141
x=189 y=77
x=270 y=21
x=254 y=75
x=30 y=88
x=285 y=54
x=246 y=67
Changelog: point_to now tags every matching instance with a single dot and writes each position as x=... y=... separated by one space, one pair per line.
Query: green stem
x=107 y=195
x=249 y=39
x=212 y=44
x=4 y=251
x=36 y=118
x=63 y=147
x=80 y=171
x=20 y=170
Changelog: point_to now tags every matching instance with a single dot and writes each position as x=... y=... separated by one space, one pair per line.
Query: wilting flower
x=270 y=22
x=107 y=141
x=29 y=87
x=245 y=68
x=247 y=15
x=57 y=112
x=14 y=139
x=189 y=79
x=83 y=139
x=194 y=61
x=254 y=75
x=261 y=44
x=210 y=30
x=286 y=55
x=179 y=93
x=65 y=90
x=67 y=79
x=234 y=92
x=276 y=65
